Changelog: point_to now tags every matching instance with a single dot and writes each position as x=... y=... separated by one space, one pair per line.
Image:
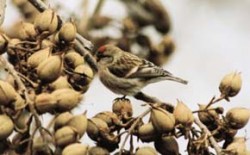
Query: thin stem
x=213 y=100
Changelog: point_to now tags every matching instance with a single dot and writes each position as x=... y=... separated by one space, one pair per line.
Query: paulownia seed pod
x=22 y=120
x=147 y=133
x=6 y=126
x=85 y=70
x=62 y=119
x=27 y=31
x=67 y=33
x=65 y=136
x=73 y=59
x=167 y=145
x=94 y=127
x=238 y=146
x=183 y=115
x=60 y=83
x=109 y=117
x=162 y=120
x=146 y=151
x=38 y=57
x=46 y=21
x=97 y=150
x=238 y=117
x=45 y=102
x=123 y=108
x=7 y=93
x=79 y=122
x=19 y=102
x=75 y=149
x=209 y=116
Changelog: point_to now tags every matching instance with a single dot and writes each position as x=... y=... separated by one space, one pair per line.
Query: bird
x=125 y=73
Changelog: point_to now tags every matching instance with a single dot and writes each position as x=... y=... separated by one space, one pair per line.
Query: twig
x=2 y=11
x=131 y=129
x=213 y=100
x=82 y=42
x=210 y=137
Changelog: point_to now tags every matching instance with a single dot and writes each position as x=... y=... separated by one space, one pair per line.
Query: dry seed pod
x=95 y=125
x=46 y=43
x=22 y=120
x=46 y=21
x=50 y=69
x=19 y=103
x=27 y=31
x=73 y=59
x=7 y=93
x=67 y=33
x=12 y=43
x=85 y=70
x=123 y=108
x=146 y=151
x=38 y=57
x=67 y=99
x=109 y=117
x=238 y=146
x=230 y=85
x=60 y=83
x=75 y=149
x=183 y=115
x=62 y=119
x=45 y=102
x=6 y=126
x=147 y=133
x=97 y=150
x=3 y=43
x=78 y=122
x=162 y=120
x=167 y=145
x=237 y=118
x=208 y=116
x=65 y=136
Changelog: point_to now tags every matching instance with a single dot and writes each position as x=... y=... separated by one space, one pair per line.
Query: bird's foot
x=121 y=98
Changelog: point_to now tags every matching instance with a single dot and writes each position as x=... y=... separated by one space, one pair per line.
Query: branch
x=2 y=11
x=211 y=138
x=83 y=43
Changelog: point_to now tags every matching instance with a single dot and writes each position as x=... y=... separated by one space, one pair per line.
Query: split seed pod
x=46 y=21
x=162 y=120
x=62 y=119
x=95 y=126
x=238 y=146
x=60 y=83
x=231 y=84
x=208 y=116
x=123 y=108
x=67 y=99
x=78 y=122
x=97 y=150
x=237 y=118
x=85 y=70
x=7 y=93
x=38 y=57
x=167 y=145
x=109 y=117
x=6 y=126
x=75 y=149
x=67 y=33
x=65 y=136
x=183 y=115
x=146 y=151
x=147 y=133
x=27 y=31
x=45 y=102
x=50 y=69
x=73 y=59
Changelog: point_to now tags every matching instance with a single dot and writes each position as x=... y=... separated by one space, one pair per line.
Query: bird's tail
x=177 y=79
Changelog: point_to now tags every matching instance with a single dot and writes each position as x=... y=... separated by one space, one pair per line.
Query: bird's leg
x=121 y=98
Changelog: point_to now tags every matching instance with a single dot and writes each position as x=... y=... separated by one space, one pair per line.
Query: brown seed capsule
x=65 y=136
x=12 y=43
x=230 y=85
x=183 y=115
x=19 y=103
x=78 y=122
x=67 y=33
x=73 y=59
x=50 y=69
x=60 y=83
x=22 y=120
x=38 y=57
x=75 y=149
x=46 y=21
x=27 y=31
x=45 y=102
x=94 y=126
x=147 y=132
x=109 y=117
x=123 y=108
x=62 y=119
x=237 y=118
x=3 y=43
x=85 y=70
x=97 y=150
x=208 y=116
x=67 y=99
x=7 y=93
x=146 y=151
x=47 y=43
x=162 y=120
x=6 y=126
x=167 y=145
x=238 y=146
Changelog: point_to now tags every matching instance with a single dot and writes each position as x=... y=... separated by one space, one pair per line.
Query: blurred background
x=211 y=37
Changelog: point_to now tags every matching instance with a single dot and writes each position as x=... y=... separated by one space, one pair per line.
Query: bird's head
x=107 y=54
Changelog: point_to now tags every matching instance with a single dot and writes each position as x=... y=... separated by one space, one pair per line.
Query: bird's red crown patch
x=101 y=49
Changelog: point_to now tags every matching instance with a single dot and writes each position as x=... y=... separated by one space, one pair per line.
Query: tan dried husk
x=122 y=108
x=238 y=117
x=146 y=151
x=45 y=102
x=7 y=93
x=65 y=136
x=97 y=150
x=231 y=84
x=95 y=125
x=147 y=133
x=6 y=126
x=67 y=99
x=183 y=115
x=20 y=103
x=167 y=145
x=79 y=122
x=209 y=116
x=38 y=57
x=60 y=83
x=75 y=149
x=86 y=70
x=22 y=120
x=67 y=33
x=73 y=59
x=162 y=120
x=238 y=146
x=27 y=31
x=50 y=69
x=46 y=21
x=62 y=119
x=109 y=117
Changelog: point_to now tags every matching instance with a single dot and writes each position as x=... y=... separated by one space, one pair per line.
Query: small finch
x=126 y=74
